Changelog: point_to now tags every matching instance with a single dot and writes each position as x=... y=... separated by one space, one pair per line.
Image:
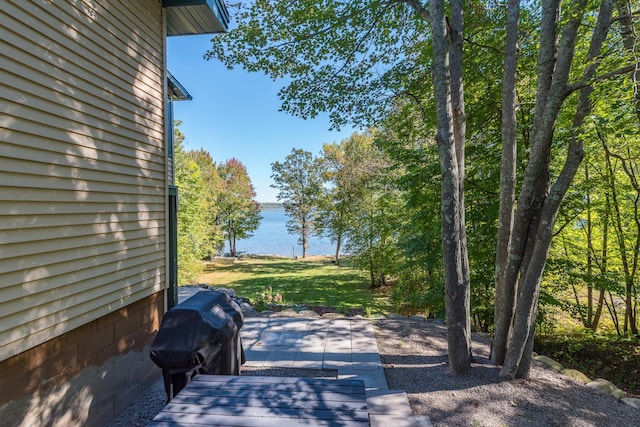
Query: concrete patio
x=342 y=344
x=345 y=345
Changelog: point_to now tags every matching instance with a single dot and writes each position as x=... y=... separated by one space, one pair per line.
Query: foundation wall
x=86 y=376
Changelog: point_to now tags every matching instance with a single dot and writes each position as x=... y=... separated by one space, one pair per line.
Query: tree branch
x=484 y=46
x=417 y=6
x=415 y=99
x=582 y=83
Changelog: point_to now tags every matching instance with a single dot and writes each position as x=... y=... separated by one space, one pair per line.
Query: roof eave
x=177 y=92
x=195 y=17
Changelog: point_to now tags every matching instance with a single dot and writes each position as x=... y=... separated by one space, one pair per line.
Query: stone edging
x=600 y=385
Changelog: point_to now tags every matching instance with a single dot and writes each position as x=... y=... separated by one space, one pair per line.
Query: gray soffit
x=195 y=17
x=177 y=92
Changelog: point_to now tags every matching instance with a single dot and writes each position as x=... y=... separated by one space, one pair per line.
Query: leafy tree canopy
x=299 y=183
x=353 y=59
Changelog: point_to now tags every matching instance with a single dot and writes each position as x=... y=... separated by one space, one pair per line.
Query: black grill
x=199 y=336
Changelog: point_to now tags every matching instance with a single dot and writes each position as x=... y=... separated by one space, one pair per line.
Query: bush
x=266 y=299
x=414 y=296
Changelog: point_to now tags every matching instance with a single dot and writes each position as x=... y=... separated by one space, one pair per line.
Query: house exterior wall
x=83 y=200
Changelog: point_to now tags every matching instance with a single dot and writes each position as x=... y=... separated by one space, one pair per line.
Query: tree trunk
x=613 y=313
x=590 y=314
x=593 y=315
x=303 y=237
x=625 y=15
x=630 y=41
x=372 y=273
x=537 y=205
x=338 y=244
x=505 y=292
x=629 y=319
x=450 y=141
x=232 y=240
x=603 y=266
x=517 y=239
x=459 y=136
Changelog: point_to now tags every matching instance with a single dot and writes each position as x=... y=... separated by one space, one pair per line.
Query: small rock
x=576 y=375
x=618 y=394
x=417 y=317
x=606 y=387
x=631 y=401
x=394 y=316
x=331 y=315
x=287 y=312
x=550 y=362
x=266 y=313
x=308 y=313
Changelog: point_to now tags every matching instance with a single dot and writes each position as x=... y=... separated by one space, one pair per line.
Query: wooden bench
x=220 y=400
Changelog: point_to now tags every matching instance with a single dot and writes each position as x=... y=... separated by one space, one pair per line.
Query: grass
x=311 y=281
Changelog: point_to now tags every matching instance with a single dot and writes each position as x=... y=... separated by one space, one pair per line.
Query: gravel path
x=414 y=355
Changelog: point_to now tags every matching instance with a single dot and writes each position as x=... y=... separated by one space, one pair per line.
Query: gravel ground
x=414 y=354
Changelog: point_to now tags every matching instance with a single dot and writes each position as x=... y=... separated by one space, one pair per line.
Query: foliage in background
x=336 y=210
x=594 y=269
x=213 y=187
x=239 y=213
x=211 y=200
x=194 y=219
x=299 y=183
x=360 y=207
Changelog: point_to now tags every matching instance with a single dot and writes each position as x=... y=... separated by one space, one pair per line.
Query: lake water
x=272 y=238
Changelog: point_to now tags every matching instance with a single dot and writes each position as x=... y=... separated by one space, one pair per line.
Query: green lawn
x=314 y=281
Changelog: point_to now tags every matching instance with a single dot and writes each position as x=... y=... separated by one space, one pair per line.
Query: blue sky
x=235 y=114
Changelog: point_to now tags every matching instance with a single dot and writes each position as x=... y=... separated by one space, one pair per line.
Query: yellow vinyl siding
x=101 y=45
x=97 y=99
x=82 y=164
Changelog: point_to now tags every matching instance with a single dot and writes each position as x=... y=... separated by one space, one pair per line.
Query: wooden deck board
x=265 y=401
x=271 y=401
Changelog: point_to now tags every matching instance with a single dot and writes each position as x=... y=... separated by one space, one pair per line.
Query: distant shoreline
x=270 y=205
x=273 y=237
x=246 y=255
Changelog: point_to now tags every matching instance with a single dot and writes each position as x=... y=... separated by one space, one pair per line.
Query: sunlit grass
x=312 y=281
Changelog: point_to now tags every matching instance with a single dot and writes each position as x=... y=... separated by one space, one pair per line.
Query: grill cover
x=200 y=335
